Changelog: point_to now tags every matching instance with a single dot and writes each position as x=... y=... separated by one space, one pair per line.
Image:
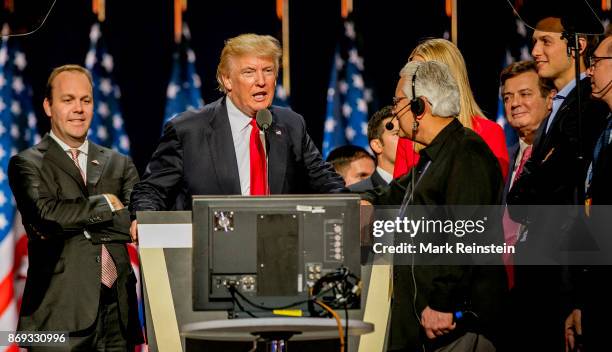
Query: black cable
x=237 y=302
x=232 y=288
x=339 y=287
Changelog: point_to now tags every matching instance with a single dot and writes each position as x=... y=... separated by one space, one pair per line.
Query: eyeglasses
x=593 y=60
x=397 y=100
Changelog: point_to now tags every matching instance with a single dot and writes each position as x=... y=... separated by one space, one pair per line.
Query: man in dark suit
x=591 y=309
x=554 y=175
x=383 y=142
x=71 y=194
x=215 y=150
x=527 y=101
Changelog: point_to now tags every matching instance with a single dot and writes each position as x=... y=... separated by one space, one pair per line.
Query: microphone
x=389 y=125
x=604 y=90
x=264 y=119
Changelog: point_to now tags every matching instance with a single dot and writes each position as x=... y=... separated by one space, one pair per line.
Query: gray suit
x=62 y=290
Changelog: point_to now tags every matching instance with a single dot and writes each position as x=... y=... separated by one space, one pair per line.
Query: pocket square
x=95 y=162
x=278 y=132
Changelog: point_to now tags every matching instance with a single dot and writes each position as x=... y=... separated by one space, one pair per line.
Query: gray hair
x=434 y=82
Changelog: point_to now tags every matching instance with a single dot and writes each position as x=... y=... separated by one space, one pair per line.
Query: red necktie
x=258 y=162
x=109 y=270
x=511 y=228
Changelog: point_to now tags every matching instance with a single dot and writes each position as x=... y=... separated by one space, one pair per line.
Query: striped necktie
x=109 y=270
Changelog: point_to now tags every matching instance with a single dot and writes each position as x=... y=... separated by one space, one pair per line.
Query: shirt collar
x=523 y=145
x=83 y=148
x=238 y=119
x=384 y=174
x=435 y=147
x=562 y=94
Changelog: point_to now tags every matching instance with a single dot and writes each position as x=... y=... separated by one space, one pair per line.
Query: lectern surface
x=244 y=329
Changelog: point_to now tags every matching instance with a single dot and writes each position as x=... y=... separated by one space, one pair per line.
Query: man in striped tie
x=72 y=195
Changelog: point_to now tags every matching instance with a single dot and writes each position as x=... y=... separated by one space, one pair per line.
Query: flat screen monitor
x=271 y=250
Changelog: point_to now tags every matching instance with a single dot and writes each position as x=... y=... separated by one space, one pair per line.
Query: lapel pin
x=95 y=162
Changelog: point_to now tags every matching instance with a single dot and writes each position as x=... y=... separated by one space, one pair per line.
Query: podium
x=165 y=247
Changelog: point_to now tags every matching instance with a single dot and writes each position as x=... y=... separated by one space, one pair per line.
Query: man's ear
x=227 y=83
x=47 y=107
x=376 y=145
x=583 y=44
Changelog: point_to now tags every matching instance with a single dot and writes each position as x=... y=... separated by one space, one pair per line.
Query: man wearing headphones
x=455 y=168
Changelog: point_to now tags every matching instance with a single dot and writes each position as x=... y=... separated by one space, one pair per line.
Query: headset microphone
x=389 y=125
x=604 y=90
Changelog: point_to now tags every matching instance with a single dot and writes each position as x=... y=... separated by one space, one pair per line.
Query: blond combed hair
x=247 y=44
x=446 y=52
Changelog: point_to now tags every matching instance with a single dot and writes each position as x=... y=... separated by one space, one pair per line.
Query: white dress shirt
x=241 y=127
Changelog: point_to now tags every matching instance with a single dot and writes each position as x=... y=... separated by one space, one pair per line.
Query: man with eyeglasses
x=592 y=308
x=456 y=167
x=554 y=175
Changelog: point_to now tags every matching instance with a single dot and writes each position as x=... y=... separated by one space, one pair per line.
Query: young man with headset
x=455 y=168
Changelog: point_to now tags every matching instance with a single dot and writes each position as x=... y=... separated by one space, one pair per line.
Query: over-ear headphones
x=417 y=106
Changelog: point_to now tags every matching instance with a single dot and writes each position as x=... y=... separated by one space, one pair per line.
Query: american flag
x=17 y=132
x=183 y=92
x=518 y=50
x=346 y=120
x=107 y=124
x=281 y=98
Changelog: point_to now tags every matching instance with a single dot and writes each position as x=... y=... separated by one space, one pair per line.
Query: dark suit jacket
x=196 y=156
x=513 y=153
x=375 y=180
x=555 y=176
x=63 y=285
x=601 y=184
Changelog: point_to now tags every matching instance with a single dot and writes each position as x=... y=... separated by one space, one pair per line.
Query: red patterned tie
x=511 y=228
x=109 y=270
x=258 y=162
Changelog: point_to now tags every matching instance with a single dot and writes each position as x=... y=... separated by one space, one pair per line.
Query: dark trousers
x=105 y=335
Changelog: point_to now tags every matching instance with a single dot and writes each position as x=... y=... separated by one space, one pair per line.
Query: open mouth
x=260 y=96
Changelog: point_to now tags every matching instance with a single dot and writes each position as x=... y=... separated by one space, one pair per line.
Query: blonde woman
x=470 y=114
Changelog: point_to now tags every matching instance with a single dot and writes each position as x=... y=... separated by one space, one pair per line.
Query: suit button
x=98 y=259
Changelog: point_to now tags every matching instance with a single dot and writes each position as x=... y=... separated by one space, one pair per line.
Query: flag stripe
x=17 y=132
x=6 y=291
